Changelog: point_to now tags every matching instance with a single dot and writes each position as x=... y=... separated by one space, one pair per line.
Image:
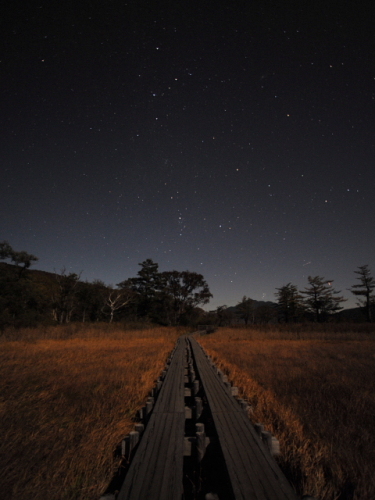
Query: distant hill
x=256 y=304
x=35 y=274
x=355 y=314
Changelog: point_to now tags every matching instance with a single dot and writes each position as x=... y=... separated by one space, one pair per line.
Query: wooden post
x=200 y=441
x=259 y=428
x=129 y=443
x=228 y=387
x=275 y=447
x=198 y=407
x=196 y=387
x=139 y=428
x=271 y=442
x=142 y=413
x=124 y=446
x=267 y=439
x=234 y=391
x=149 y=405
x=244 y=405
x=133 y=440
x=187 y=446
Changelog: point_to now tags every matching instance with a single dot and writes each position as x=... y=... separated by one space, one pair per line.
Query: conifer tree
x=365 y=289
x=290 y=303
x=321 y=298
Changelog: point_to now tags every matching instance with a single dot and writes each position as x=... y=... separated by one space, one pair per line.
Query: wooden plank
x=156 y=470
x=172 y=392
x=254 y=473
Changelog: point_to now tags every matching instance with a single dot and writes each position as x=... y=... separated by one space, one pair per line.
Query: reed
x=67 y=401
x=316 y=395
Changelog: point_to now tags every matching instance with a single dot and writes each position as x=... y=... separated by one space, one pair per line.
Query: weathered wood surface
x=253 y=472
x=156 y=471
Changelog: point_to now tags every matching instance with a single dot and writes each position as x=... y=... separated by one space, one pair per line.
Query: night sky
x=234 y=139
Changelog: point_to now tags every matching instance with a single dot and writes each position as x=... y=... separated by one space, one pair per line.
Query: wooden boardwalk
x=254 y=473
x=156 y=470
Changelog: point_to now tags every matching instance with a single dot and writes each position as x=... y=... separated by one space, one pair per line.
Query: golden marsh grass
x=316 y=395
x=65 y=404
x=68 y=395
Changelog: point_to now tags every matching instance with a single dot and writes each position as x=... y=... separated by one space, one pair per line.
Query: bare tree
x=116 y=300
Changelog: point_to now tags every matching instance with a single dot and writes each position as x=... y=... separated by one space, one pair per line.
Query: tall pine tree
x=365 y=288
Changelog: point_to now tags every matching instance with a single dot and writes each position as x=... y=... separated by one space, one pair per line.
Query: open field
x=316 y=395
x=66 y=401
x=68 y=395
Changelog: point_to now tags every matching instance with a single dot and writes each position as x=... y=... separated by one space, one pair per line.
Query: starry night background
x=233 y=139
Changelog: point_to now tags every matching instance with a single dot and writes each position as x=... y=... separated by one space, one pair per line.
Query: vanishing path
x=196 y=438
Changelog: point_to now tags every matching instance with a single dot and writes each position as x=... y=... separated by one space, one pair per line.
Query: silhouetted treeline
x=31 y=297
x=317 y=302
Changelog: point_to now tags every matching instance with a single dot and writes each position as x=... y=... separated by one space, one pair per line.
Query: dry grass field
x=67 y=397
x=314 y=389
